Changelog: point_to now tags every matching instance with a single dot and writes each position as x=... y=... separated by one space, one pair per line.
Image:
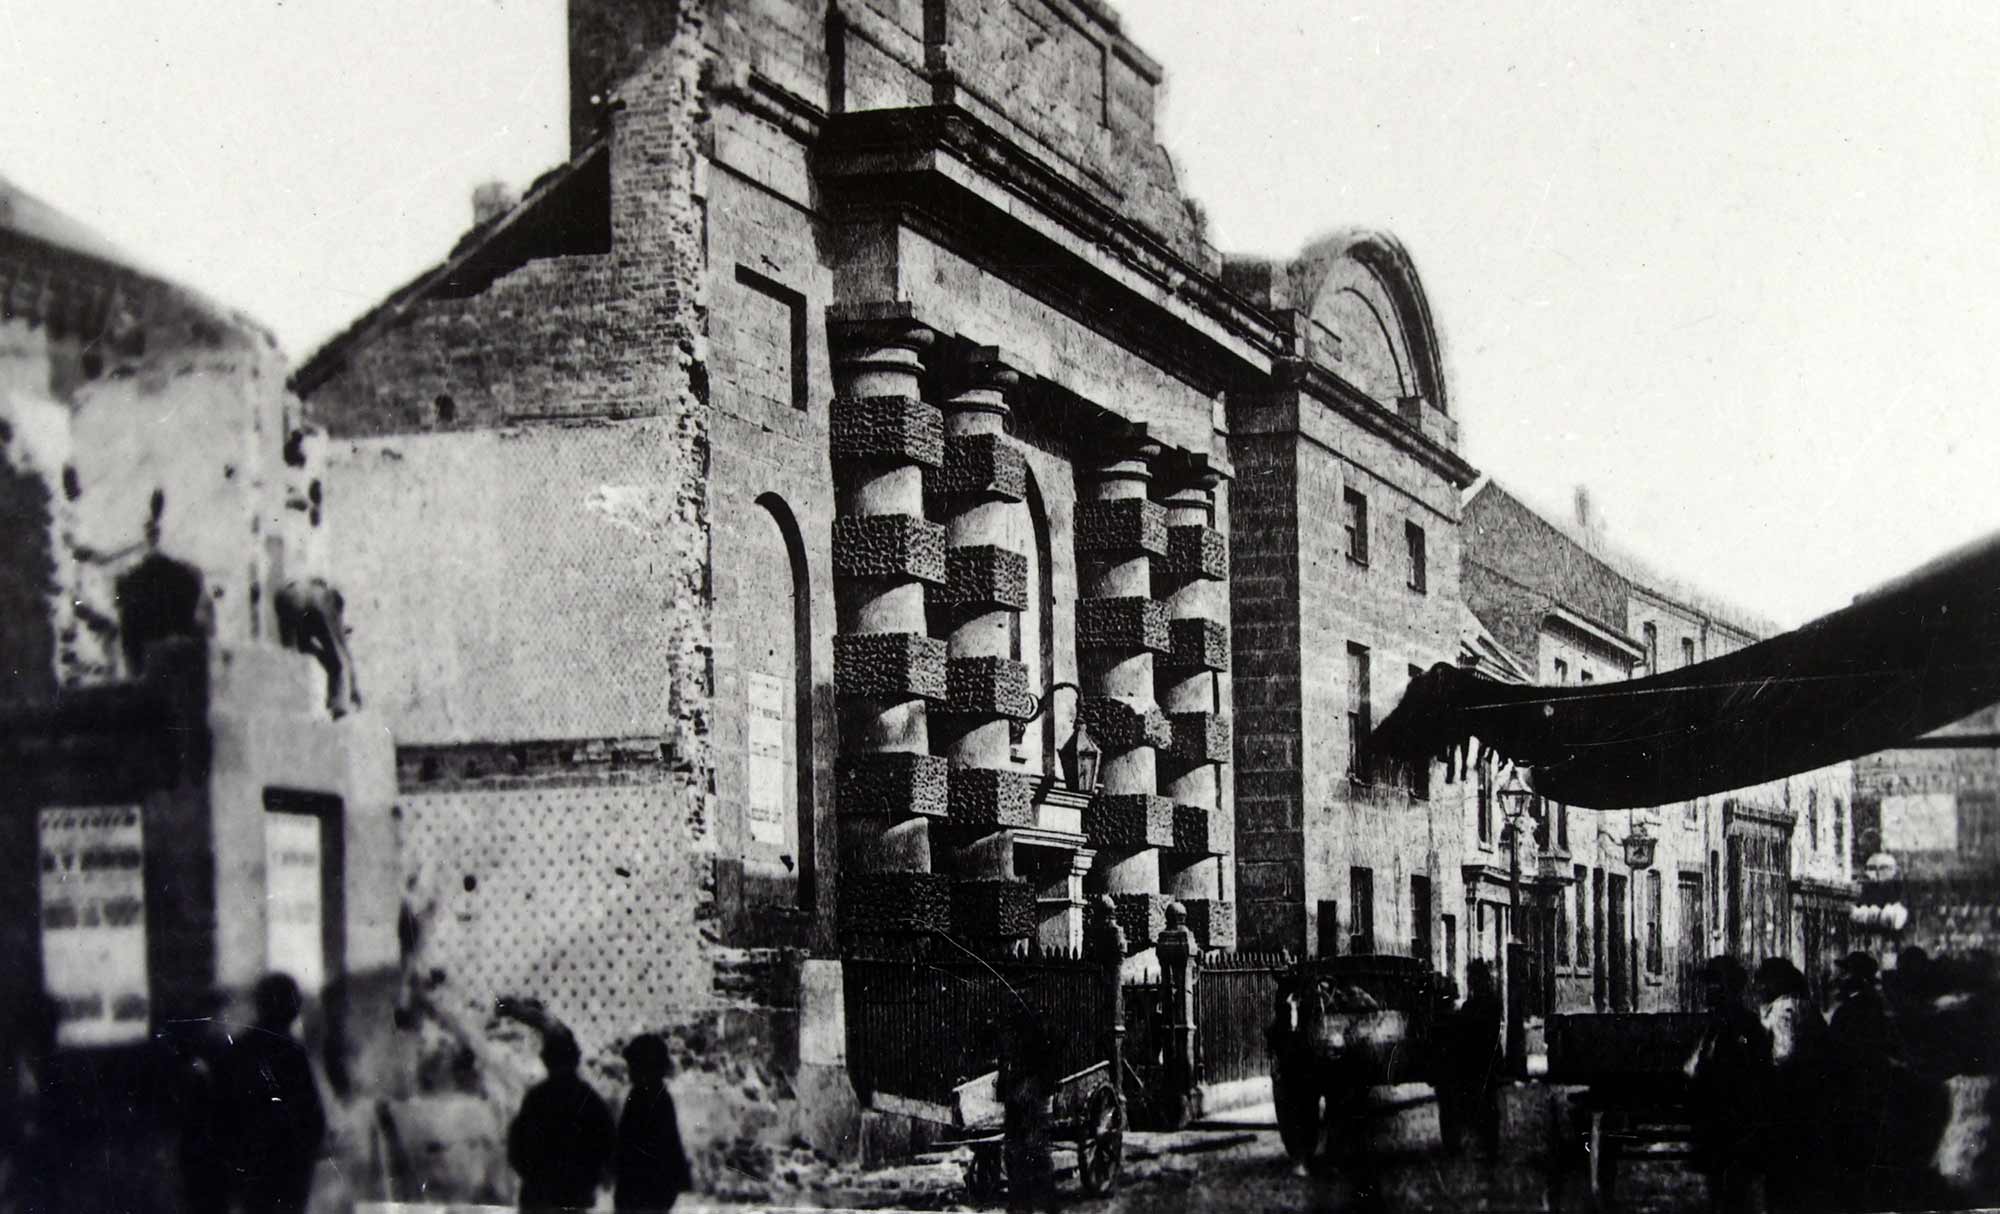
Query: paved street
x=1235 y=1162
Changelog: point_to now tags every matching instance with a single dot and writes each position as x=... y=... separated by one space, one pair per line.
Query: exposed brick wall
x=1265 y=660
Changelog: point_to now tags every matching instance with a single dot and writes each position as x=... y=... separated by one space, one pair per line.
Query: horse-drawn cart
x=1344 y=1025
x=1634 y=1097
x=1084 y=1114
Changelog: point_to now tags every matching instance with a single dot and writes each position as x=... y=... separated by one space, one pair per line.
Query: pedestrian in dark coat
x=1728 y=1075
x=652 y=1168
x=1470 y=1094
x=561 y=1141
x=1028 y=1066
x=276 y=1123
x=1798 y=1156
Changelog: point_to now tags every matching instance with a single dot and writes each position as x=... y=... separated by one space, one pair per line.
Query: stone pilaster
x=888 y=669
x=1120 y=532
x=1193 y=581
x=978 y=493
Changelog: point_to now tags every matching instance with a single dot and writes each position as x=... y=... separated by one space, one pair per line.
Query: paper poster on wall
x=295 y=941
x=93 y=905
x=1920 y=822
x=766 y=738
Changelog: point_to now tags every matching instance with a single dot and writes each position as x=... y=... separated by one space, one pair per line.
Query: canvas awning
x=1920 y=652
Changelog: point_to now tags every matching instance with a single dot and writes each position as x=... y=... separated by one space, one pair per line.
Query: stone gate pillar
x=1119 y=629
x=887 y=668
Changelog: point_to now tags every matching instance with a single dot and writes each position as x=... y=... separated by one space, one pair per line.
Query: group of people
x=1833 y=1111
x=563 y=1144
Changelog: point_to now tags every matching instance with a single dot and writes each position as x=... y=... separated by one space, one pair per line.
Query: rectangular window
x=1687 y=651
x=1420 y=919
x=767 y=350
x=1562 y=826
x=1562 y=672
x=1562 y=928
x=1582 y=875
x=1413 y=539
x=1450 y=945
x=1655 y=958
x=1484 y=801
x=1356 y=507
x=1360 y=716
x=1329 y=928
x=1651 y=633
x=1839 y=827
x=1583 y=676
x=1361 y=900
x=1715 y=889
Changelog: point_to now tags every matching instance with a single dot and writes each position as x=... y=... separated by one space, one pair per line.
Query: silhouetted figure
x=652 y=1168
x=562 y=1138
x=202 y=1101
x=1728 y=1075
x=1469 y=1091
x=1798 y=1161
x=30 y=1145
x=275 y=1124
x=1028 y=1065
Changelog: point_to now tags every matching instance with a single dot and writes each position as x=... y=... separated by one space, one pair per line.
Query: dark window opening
x=1360 y=722
x=1329 y=928
x=1361 y=898
x=1420 y=919
x=1413 y=539
x=1485 y=799
x=1356 y=507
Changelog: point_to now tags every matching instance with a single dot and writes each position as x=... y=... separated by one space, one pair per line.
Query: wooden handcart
x=1634 y=1101
x=1085 y=1115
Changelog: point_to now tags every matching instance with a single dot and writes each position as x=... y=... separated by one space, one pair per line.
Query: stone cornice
x=946 y=165
x=1356 y=406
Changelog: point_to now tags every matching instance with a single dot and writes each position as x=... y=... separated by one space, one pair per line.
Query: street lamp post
x=1514 y=799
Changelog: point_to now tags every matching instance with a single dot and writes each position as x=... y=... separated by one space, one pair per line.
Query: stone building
x=1755 y=872
x=194 y=794
x=1934 y=811
x=725 y=524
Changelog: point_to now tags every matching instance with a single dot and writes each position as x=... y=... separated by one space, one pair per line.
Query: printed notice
x=294 y=933
x=766 y=731
x=94 y=924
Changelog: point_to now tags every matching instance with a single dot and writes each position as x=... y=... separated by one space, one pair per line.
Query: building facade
x=196 y=795
x=1934 y=813
x=753 y=534
x=1754 y=873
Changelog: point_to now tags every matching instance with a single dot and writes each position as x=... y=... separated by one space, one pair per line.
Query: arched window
x=1032 y=642
x=773 y=624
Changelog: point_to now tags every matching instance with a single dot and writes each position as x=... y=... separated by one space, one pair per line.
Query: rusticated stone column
x=983 y=483
x=1119 y=627
x=1193 y=579
x=887 y=668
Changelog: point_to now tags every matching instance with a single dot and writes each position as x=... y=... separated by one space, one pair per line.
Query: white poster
x=1920 y=822
x=294 y=935
x=93 y=906
x=766 y=736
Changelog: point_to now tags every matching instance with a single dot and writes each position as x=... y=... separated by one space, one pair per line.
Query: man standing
x=561 y=1140
x=652 y=1166
x=276 y=1122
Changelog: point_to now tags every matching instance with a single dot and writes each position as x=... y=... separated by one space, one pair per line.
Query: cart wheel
x=985 y=1174
x=1100 y=1147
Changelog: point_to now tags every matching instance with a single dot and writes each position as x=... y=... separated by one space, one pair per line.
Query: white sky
x=1730 y=266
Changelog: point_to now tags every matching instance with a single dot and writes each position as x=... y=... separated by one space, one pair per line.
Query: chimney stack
x=490 y=201
x=1584 y=519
